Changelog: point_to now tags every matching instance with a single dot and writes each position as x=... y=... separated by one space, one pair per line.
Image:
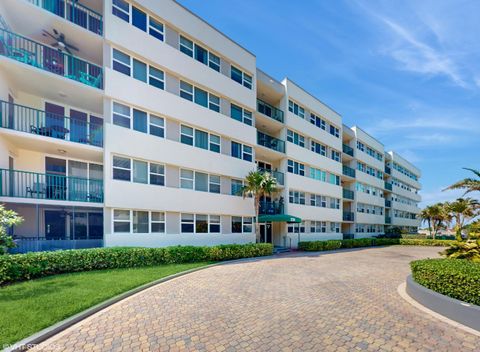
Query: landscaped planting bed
x=369 y=242
x=456 y=278
x=19 y=267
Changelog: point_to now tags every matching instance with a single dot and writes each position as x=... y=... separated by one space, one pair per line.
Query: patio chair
x=90 y=80
x=37 y=190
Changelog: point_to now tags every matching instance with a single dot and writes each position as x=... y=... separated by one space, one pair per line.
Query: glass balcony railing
x=388 y=170
x=29 y=52
x=348 y=194
x=270 y=142
x=269 y=110
x=73 y=11
x=388 y=203
x=279 y=176
x=24 y=119
x=348 y=171
x=348 y=216
x=347 y=149
x=271 y=208
x=25 y=184
x=388 y=220
x=388 y=186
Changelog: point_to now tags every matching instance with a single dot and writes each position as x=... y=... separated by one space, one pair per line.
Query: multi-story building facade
x=134 y=123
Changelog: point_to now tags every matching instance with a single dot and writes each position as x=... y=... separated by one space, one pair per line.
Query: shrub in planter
x=426 y=242
x=469 y=249
x=454 y=278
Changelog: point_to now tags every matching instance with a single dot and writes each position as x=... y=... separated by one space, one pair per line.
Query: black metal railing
x=271 y=208
x=269 y=110
x=270 y=142
x=347 y=149
x=348 y=216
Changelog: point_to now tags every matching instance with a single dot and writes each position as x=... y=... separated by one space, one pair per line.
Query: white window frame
x=192 y=180
x=190 y=93
x=130 y=170
x=210 y=183
x=122 y=221
x=156 y=174
x=151 y=123
x=129 y=117
x=164 y=221
x=150 y=28
x=186 y=47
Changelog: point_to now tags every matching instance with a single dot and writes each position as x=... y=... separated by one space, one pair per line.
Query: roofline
x=269 y=76
x=313 y=96
x=368 y=134
x=214 y=28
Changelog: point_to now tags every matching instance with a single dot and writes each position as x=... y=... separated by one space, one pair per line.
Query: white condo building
x=133 y=123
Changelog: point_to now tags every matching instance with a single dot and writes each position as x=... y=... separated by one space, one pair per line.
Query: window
x=139 y=19
x=155 y=29
x=318 y=226
x=157 y=126
x=201 y=223
x=186 y=179
x=334 y=179
x=318 y=174
x=186 y=135
x=214 y=184
x=236 y=224
x=295 y=138
x=157 y=174
x=318 y=148
x=240 y=114
x=295 y=168
x=236 y=75
x=156 y=77
x=214 y=224
x=201 y=139
x=247 y=224
x=247 y=153
x=335 y=155
x=157 y=222
x=139 y=70
x=296 y=109
x=334 y=203
x=213 y=102
x=201 y=97
x=140 y=221
x=335 y=227
x=121 y=62
x=121 y=221
x=121 y=115
x=187 y=223
x=334 y=131
x=360 y=146
x=139 y=120
x=318 y=121
x=201 y=54
x=186 y=90
x=121 y=9
x=186 y=46
x=296 y=197
x=247 y=81
x=242 y=151
x=140 y=171
x=121 y=168
x=214 y=62
x=215 y=143
x=236 y=187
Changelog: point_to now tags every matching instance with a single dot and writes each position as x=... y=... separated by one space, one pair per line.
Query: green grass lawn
x=28 y=307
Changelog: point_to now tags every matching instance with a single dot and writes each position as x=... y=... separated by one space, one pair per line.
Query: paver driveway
x=308 y=302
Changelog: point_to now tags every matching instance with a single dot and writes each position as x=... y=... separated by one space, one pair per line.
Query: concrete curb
x=37 y=338
x=461 y=312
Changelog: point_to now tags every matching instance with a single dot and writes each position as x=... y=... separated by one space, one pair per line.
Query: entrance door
x=54 y=121
x=56 y=170
x=266 y=233
x=55 y=228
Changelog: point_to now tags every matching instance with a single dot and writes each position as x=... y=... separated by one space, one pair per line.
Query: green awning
x=279 y=218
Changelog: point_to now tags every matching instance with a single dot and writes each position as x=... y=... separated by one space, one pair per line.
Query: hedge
x=368 y=242
x=456 y=278
x=32 y=265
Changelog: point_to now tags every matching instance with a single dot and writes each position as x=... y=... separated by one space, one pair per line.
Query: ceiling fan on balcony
x=60 y=41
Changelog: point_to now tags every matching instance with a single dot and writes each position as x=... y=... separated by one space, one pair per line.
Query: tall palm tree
x=468 y=184
x=435 y=215
x=256 y=185
x=463 y=210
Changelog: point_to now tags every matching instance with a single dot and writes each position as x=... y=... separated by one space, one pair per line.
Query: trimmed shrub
x=32 y=265
x=320 y=245
x=426 y=242
x=456 y=278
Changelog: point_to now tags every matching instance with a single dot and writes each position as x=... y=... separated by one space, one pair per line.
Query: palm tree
x=435 y=215
x=468 y=184
x=258 y=184
x=463 y=210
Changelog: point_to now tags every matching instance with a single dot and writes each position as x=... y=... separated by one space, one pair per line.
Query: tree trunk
x=257 y=223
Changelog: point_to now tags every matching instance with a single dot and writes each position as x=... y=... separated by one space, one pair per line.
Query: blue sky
x=407 y=72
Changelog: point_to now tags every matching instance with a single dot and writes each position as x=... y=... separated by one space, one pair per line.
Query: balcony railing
x=271 y=208
x=25 y=184
x=269 y=110
x=347 y=149
x=270 y=142
x=33 y=244
x=74 y=12
x=388 y=170
x=348 y=194
x=24 y=119
x=388 y=220
x=388 y=186
x=388 y=203
x=348 y=171
x=279 y=176
x=348 y=216
x=29 y=52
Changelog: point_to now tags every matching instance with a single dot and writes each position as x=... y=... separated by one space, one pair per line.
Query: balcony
x=348 y=171
x=269 y=110
x=388 y=220
x=347 y=149
x=279 y=176
x=388 y=203
x=271 y=208
x=33 y=185
x=74 y=12
x=348 y=194
x=348 y=216
x=388 y=186
x=25 y=119
x=32 y=53
x=270 y=142
x=388 y=170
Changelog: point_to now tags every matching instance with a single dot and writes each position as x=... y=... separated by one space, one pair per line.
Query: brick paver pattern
x=337 y=301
